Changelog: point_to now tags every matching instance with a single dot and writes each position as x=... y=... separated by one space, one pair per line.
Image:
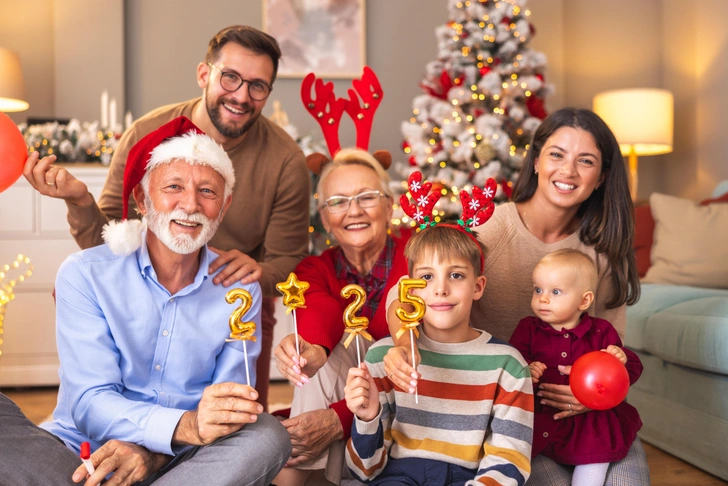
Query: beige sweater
x=511 y=254
x=268 y=218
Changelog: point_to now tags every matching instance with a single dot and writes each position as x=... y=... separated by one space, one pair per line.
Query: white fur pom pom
x=124 y=237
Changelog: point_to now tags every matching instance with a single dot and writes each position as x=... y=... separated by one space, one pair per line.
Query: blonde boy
x=473 y=423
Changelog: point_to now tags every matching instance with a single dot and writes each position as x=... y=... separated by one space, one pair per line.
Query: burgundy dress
x=587 y=438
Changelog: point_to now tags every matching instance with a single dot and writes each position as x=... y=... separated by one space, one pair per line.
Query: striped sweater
x=475 y=410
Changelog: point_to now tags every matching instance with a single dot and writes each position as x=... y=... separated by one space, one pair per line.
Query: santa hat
x=179 y=139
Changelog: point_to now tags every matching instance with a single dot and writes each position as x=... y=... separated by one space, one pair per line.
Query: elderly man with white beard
x=142 y=329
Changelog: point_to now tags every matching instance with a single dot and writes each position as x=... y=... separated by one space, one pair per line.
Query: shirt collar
x=585 y=324
x=147 y=270
x=380 y=269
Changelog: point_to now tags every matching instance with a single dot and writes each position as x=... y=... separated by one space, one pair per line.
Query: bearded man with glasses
x=265 y=232
x=355 y=203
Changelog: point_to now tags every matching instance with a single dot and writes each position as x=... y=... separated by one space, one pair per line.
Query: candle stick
x=292 y=290
x=104 y=110
x=411 y=319
x=128 y=120
x=112 y=114
x=240 y=330
x=355 y=325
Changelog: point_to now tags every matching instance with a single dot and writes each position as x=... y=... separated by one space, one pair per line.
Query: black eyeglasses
x=231 y=82
x=340 y=204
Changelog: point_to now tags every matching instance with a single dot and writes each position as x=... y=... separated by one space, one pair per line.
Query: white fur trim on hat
x=124 y=237
x=195 y=148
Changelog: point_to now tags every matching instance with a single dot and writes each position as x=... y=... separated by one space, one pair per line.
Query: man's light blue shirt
x=133 y=356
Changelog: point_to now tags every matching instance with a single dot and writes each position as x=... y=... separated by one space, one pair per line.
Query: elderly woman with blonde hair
x=355 y=204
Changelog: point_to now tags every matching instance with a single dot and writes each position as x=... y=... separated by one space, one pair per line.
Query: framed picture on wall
x=327 y=37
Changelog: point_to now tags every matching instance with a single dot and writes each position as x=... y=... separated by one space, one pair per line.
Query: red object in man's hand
x=599 y=380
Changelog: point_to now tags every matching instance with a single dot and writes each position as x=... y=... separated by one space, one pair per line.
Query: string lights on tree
x=483 y=99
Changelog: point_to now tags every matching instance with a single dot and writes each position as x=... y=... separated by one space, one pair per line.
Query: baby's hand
x=361 y=394
x=617 y=352
x=537 y=368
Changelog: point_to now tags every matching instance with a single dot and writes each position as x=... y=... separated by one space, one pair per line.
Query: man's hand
x=311 y=433
x=561 y=397
x=400 y=371
x=297 y=369
x=129 y=462
x=240 y=267
x=224 y=408
x=54 y=181
x=537 y=368
x=362 y=396
x=617 y=352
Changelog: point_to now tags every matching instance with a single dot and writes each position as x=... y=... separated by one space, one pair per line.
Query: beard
x=229 y=130
x=160 y=223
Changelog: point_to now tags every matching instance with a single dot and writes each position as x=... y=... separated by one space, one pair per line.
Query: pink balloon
x=599 y=380
x=13 y=152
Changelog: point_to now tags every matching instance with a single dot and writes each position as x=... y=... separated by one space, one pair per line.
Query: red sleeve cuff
x=345 y=416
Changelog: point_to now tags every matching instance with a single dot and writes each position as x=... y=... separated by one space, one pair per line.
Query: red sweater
x=321 y=321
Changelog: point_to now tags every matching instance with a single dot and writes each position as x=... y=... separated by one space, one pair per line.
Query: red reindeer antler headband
x=327 y=109
x=477 y=209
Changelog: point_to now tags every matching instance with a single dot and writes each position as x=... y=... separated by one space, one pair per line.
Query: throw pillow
x=690 y=243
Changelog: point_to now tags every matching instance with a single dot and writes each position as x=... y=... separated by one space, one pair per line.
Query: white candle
x=104 y=109
x=112 y=114
x=128 y=120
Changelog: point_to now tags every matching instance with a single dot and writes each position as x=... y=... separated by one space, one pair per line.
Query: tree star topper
x=292 y=290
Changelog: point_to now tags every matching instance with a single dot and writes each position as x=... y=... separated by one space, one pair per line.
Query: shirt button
x=171 y=300
x=545 y=434
x=566 y=335
x=165 y=333
x=563 y=355
x=158 y=367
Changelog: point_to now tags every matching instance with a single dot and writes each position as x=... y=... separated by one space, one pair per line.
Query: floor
x=665 y=470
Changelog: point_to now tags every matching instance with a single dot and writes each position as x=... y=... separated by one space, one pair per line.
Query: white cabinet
x=36 y=226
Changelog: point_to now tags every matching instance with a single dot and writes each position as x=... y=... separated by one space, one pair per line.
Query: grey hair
x=353 y=156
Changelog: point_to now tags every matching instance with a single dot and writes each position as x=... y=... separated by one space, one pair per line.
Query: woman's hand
x=297 y=369
x=311 y=433
x=398 y=368
x=240 y=267
x=560 y=396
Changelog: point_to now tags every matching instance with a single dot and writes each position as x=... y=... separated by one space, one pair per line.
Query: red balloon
x=599 y=380
x=13 y=152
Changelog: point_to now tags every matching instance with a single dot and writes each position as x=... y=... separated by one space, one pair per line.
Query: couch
x=680 y=332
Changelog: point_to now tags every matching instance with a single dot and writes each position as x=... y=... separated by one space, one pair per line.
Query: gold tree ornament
x=21 y=265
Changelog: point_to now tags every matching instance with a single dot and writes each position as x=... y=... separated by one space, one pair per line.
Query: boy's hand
x=617 y=352
x=362 y=396
x=537 y=368
x=399 y=369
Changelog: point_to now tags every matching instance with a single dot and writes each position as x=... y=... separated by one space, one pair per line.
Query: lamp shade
x=12 y=87
x=641 y=119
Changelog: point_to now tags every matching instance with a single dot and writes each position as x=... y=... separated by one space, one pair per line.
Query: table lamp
x=12 y=87
x=641 y=120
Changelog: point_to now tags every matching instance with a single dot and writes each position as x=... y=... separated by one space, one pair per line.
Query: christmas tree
x=484 y=98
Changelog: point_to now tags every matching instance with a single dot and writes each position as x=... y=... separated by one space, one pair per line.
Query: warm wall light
x=12 y=87
x=642 y=122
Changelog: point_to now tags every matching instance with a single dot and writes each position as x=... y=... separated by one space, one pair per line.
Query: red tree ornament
x=599 y=380
x=13 y=152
